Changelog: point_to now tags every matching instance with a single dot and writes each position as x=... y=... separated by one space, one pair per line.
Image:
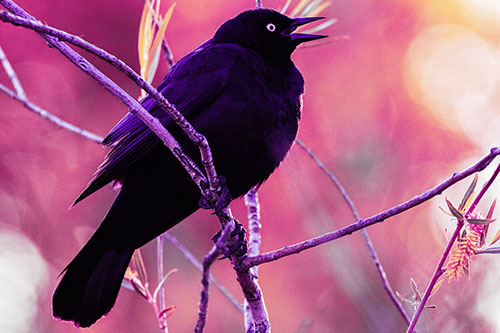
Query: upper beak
x=298 y=38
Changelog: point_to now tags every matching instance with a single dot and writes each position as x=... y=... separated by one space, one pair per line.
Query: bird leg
x=222 y=202
x=237 y=244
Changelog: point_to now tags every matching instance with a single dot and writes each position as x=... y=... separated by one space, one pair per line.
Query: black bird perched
x=242 y=91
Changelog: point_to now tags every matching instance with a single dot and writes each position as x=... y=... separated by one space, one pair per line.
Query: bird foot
x=222 y=202
x=237 y=244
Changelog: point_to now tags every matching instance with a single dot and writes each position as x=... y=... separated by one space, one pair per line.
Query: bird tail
x=91 y=281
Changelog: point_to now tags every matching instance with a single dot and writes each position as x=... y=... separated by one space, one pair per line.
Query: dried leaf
x=285 y=7
x=141 y=290
x=401 y=298
x=418 y=295
x=436 y=287
x=154 y=55
x=320 y=27
x=480 y=221
x=468 y=194
x=454 y=211
x=490 y=250
x=320 y=8
x=495 y=238
x=144 y=28
x=298 y=8
x=162 y=282
x=139 y=266
x=491 y=210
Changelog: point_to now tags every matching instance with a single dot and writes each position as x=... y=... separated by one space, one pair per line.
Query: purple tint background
x=357 y=117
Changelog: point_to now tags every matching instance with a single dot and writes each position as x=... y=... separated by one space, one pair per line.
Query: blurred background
x=411 y=97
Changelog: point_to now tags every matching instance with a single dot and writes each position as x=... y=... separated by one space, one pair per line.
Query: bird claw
x=237 y=244
x=222 y=202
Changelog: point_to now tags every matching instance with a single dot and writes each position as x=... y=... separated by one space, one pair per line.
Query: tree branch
x=209 y=259
x=196 y=263
x=417 y=200
x=439 y=268
x=12 y=75
x=21 y=18
x=373 y=253
x=254 y=238
x=52 y=118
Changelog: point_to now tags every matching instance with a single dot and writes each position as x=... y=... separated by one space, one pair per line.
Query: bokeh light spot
x=455 y=74
x=24 y=272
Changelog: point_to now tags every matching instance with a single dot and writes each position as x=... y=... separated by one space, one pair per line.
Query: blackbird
x=242 y=91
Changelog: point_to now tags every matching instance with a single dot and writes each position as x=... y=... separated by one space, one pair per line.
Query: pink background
x=373 y=112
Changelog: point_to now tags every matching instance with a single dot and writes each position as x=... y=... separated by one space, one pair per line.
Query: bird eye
x=271 y=27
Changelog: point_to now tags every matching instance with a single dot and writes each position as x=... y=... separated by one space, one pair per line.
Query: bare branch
x=373 y=253
x=21 y=18
x=12 y=75
x=439 y=268
x=209 y=259
x=47 y=115
x=192 y=259
x=415 y=201
x=254 y=238
x=160 y=275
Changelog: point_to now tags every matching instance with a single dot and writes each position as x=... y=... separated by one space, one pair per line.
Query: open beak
x=298 y=38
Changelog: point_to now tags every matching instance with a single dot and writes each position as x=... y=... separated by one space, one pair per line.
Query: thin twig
x=373 y=253
x=52 y=118
x=21 y=18
x=12 y=75
x=195 y=262
x=258 y=3
x=415 y=201
x=439 y=268
x=161 y=275
x=98 y=139
x=24 y=19
x=209 y=259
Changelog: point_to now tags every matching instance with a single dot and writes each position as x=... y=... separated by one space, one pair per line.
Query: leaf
x=480 y=221
x=320 y=27
x=468 y=194
x=436 y=287
x=310 y=7
x=285 y=7
x=418 y=295
x=495 y=238
x=320 y=8
x=167 y=312
x=139 y=288
x=139 y=266
x=162 y=282
x=143 y=34
x=298 y=8
x=154 y=55
x=492 y=209
x=401 y=298
x=454 y=211
x=491 y=250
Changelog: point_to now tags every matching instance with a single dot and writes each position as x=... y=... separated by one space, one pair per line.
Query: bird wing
x=194 y=83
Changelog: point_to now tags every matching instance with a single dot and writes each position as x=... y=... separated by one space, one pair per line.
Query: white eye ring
x=271 y=27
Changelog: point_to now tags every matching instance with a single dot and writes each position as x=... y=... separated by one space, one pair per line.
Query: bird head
x=266 y=31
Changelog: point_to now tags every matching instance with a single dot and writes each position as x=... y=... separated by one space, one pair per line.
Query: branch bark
x=371 y=249
x=417 y=200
